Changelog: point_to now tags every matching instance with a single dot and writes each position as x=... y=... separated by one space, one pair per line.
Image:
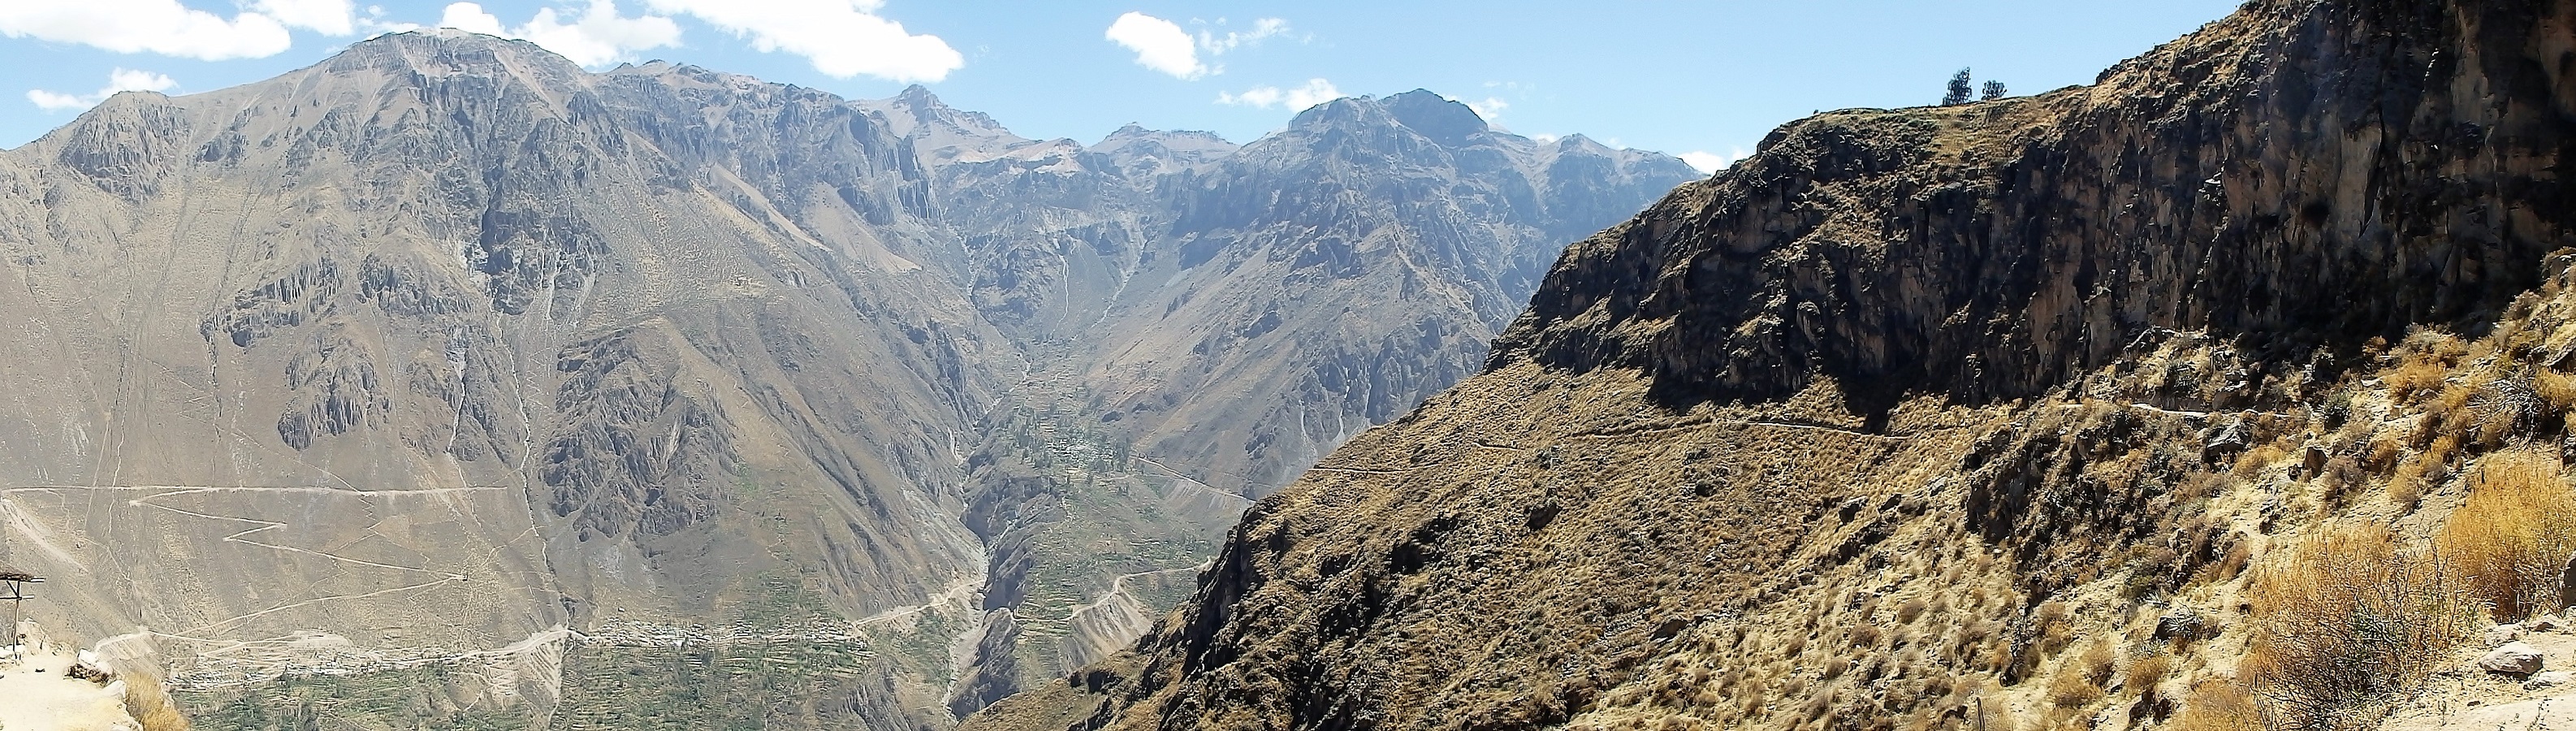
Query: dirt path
x=1118 y=586
x=40 y=697
x=1176 y=474
x=271 y=525
x=958 y=593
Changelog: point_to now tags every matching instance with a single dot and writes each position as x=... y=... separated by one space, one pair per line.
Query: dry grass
x=2219 y=705
x=2424 y=472
x=2348 y=619
x=2382 y=454
x=150 y=704
x=1989 y=714
x=2146 y=673
x=2079 y=680
x=2514 y=535
x=2055 y=632
x=2556 y=389
x=2255 y=460
x=2415 y=377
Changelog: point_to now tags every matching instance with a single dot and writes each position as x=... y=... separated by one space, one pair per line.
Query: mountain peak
x=447 y=50
x=1440 y=118
x=919 y=114
x=1134 y=132
x=919 y=97
x=1429 y=114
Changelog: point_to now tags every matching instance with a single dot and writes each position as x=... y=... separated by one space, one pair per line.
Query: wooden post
x=13 y=590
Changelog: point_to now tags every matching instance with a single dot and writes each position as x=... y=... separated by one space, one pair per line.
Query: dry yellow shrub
x=2455 y=398
x=2054 y=629
x=2146 y=672
x=2421 y=474
x=2219 y=706
x=2414 y=377
x=2514 y=535
x=2079 y=680
x=2348 y=619
x=2254 y=460
x=2382 y=454
x=2558 y=390
x=149 y=703
x=1987 y=713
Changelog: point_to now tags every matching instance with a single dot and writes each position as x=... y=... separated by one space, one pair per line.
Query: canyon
x=447 y=382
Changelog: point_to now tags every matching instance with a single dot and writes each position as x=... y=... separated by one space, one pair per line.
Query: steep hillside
x=450 y=376
x=2027 y=413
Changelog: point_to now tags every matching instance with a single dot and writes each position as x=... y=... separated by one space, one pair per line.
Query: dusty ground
x=2465 y=697
x=37 y=695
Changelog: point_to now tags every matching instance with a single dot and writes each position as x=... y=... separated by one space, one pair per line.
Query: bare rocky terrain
x=445 y=382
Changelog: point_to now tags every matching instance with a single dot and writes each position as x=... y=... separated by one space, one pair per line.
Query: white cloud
x=1491 y=108
x=599 y=37
x=118 y=80
x=139 y=26
x=1315 y=91
x=1159 y=44
x=842 y=38
x=1217 y=45
x=470 y=17
x=1710 y=162
x=327 y=17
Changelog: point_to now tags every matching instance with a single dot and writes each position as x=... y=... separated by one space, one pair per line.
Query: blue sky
x=1709 y=77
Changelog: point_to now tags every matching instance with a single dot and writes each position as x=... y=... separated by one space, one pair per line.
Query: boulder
x=2227 y=442
x=2515 y=659
x=2567 y=579
x=2551 y=679
x=2546 y=623
x=2181 y=624
x=2500 y=634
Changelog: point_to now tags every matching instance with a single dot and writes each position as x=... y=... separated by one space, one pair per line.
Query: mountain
x=446 y=382
x=2174 y=400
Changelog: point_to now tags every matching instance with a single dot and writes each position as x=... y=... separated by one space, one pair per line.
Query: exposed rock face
x=2349 y=174
x=446 y=345
x=1965 y=364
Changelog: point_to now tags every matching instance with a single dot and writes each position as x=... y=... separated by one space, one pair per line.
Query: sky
x=1703 y=79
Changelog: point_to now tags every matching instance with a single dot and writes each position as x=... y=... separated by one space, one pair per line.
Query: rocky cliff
x=1946 y=417
x=447 y=371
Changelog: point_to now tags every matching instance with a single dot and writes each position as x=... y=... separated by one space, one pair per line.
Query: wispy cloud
x=841 y=38
x=1262 y=29
x=327 y=17
x=146 y=26
x=1711 y=162
x=1163 y=46
x=600 y=36
x=1315 y=91
x=118 y=80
